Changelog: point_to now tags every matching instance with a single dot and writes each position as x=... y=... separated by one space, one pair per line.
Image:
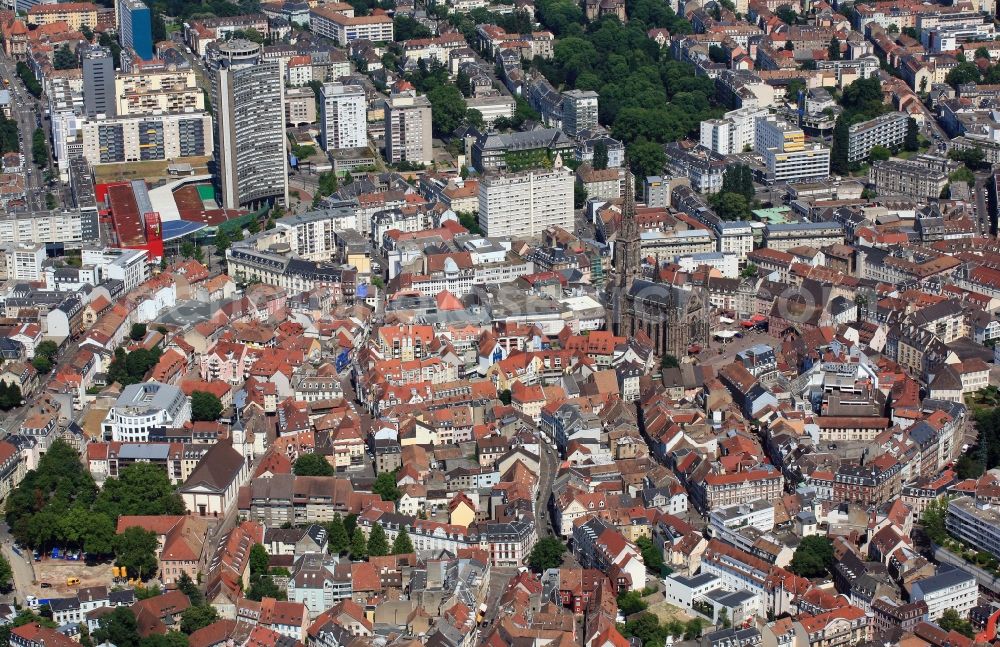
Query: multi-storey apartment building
x=872 y=485
x=248 y=95
x=99 y=81
x=147 y=91
x=719 y=490
x=135 y=27
x=69 y=227
x=75 y=14
x=526 y=203
x=702 y=166
x=732 y=134
x=143 y=138
x=579 y=111
x=976 y=522
x=517 y=151
x=786 y=236
x=907 y=178
x=336 y=25
x=407 y=126
x=888 y=130
x=141 y=407
x=343 y=116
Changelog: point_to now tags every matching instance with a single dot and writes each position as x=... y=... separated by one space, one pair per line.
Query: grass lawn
x=905 y=155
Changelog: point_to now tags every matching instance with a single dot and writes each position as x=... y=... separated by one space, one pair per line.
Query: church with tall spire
x=670 y=317
x=628 y=247
x=627 y=258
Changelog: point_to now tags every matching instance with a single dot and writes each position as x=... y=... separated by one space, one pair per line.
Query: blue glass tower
x=135 y=28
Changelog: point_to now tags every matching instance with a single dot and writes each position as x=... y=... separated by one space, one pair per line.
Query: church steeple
x=628 y=248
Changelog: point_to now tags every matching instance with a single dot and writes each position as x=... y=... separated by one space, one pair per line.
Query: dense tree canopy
x=862 y=100
x=402 y=544
x=188 y=587
x=118 y=628
x=39 y=148
x=28 y=79
x=64 y=58
x=813 y=557
x=339 y=538
x=34 y=509
x=131 y=368
x=547 y=553
x=648 y=629
x=58 y=505
x=385 y=486
x=600 y=155
x=135 y=549
x=10 y=396
x=9 y=142
x=359 y=544
x=405 y=28
x=47 y=349
x=205 y=406
x=951 y=620
x=448 y=108
x=879 y=153
x=312 y=465
x=841 y=144
x=6 y=575
x=631 y=602
x=974 y=158
x=730 y=206
x=137 y=332
x=195 y=618
x=912 y=142
x=378 y=543
x=140 y=489
x=258 y=560
x=643 y=92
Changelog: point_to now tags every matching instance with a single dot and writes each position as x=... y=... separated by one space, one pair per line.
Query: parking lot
x=57 y=571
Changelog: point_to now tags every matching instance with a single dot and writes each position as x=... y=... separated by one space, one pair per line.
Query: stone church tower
x=628 y=258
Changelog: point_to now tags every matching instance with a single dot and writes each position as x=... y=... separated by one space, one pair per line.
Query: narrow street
x=547 y=468
x=26 y=114
x=24 y=571
x=983 y=216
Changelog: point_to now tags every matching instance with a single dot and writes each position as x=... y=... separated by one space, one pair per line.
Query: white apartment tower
x=732 y=134
x=248 y=96
x=579 y=111
x=526 y=203
x=407 y=126
x=343 y=117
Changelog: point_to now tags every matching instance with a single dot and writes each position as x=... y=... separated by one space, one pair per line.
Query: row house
x=572 y=587
x=872 y=485
x=510 y=542
x=720 y=490
x=425 y=534
x=598 y=545
x=286 y=498
x=846 y=625
x=226 y=362
x=74 y=610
